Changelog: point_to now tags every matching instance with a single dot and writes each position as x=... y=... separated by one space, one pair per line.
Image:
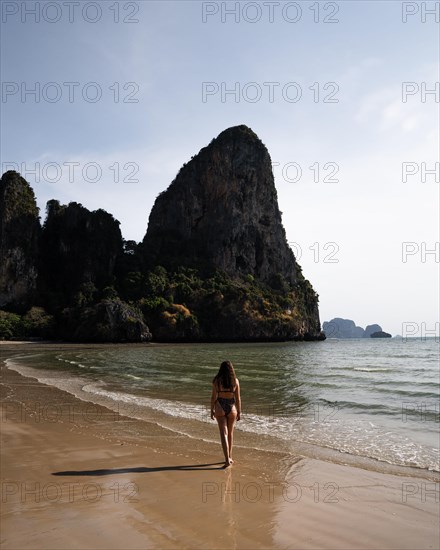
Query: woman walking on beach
x=226 y=406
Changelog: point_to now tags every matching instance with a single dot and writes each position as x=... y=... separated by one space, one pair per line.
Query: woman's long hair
x=225 y=376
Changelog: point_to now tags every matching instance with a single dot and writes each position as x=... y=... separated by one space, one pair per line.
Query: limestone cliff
x=221 y=214
x=19 y=235
x=214 y=264
x=79 y=249
x=221 y=211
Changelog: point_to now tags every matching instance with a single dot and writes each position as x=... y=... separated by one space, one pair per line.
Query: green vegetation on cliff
x=181 y=306
x=35 y=323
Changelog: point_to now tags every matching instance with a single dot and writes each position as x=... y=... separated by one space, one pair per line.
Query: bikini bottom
x=226 y=404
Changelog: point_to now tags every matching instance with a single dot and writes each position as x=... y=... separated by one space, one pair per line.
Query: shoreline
x=86 y=480
x=318 y=450
x=37 y=340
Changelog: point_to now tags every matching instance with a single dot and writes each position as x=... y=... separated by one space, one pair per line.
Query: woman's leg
x=224 y=436
x=231 y=418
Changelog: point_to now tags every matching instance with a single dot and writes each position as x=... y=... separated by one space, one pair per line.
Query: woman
x=226 y=406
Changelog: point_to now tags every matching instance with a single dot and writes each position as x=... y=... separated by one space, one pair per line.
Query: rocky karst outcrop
x=221 y=212
x=78 y=252
x=346 y=328
x=19 y=239
x=214 y=264
x=342 y=328
x=110 y=320
x=380 y=334
x=370 y=329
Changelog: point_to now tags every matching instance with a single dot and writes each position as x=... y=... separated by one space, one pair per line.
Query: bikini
x=226 y=403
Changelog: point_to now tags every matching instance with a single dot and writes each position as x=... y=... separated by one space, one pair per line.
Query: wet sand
x=76 y=475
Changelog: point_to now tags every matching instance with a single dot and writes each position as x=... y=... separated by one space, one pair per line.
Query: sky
x=102 y=102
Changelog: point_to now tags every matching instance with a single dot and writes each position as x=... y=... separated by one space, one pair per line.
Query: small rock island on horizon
x=214 y=264
x=346 y=328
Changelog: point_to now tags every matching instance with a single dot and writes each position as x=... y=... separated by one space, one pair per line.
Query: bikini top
x=226 y=391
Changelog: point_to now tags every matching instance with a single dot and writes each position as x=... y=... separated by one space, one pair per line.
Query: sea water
x=375 y=399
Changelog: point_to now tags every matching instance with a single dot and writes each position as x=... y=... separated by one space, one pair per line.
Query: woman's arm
x=213 y=398
x=238 y=399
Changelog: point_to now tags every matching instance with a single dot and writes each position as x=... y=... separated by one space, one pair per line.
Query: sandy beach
x=72 y=477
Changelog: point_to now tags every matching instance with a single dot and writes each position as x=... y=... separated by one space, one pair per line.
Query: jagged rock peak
x=238 y=132
x=221 y=212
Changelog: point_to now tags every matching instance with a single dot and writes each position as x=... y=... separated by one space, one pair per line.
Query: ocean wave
x=372 y=369
x=326 y=429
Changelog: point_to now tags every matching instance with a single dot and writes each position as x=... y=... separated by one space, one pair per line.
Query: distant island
x=213 y=266
x=380 y=334
x=346 y=328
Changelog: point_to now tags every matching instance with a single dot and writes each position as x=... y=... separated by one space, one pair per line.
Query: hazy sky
x=102 y=102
